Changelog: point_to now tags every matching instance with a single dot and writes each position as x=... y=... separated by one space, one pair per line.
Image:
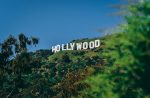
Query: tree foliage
x=117 y=69
x=127 y=74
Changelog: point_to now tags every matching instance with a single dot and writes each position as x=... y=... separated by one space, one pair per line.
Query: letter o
x=85 y=45
x=91 y=45
x=57 y=48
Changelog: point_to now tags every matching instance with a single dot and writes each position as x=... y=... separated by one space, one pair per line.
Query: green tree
x=14 y=61
x=127 y=54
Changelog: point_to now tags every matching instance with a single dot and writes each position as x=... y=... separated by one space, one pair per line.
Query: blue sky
x=56 y=21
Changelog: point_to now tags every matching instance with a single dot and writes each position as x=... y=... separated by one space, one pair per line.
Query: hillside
x=119 y=68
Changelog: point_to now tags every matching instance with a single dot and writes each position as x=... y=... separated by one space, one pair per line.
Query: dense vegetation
x=117 y=69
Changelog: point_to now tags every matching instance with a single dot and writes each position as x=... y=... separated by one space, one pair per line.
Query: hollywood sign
x=76 y=46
